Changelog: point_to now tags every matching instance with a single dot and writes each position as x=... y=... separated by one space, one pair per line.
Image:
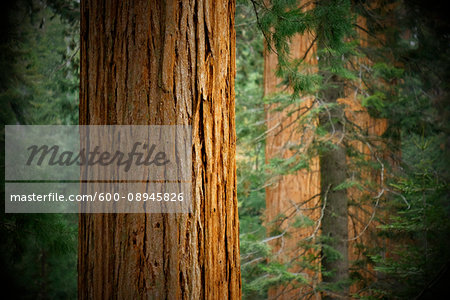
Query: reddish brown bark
x=152 y=62
x=295 y=195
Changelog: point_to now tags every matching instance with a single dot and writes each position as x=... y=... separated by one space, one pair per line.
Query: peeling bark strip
x=149 y=62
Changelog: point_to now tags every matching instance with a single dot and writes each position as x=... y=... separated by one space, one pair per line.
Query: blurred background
x=388 y=62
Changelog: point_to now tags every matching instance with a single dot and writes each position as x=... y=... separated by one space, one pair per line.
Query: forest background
x=405 y=73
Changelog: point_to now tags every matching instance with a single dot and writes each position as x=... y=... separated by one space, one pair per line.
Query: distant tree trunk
x=152 y=62
x=333 y=171
x=367 y=209
x=348 y=218
x=362 y=208
x=295 y=195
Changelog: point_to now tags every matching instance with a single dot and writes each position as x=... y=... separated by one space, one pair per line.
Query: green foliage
x=42 y=83
x=39 y=255
x=348 y=184
x=374 y=102
x=39 y=85
x=251 y=174
x=249 y=118
x=401 y=74
x=420 y=228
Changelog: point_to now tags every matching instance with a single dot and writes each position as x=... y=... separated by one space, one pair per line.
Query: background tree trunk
x=333 y=171
x=296 y=195
x=349 y=212
x=362 y=207
x=149 y=62
x=366 y=210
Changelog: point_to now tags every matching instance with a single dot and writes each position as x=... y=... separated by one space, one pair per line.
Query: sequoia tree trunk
x=296 y=195
x=164 y=63
x=348 y=219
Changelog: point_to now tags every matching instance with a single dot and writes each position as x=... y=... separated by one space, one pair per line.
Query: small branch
x=273 y=237
x=322 y=212
x=66 y=62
